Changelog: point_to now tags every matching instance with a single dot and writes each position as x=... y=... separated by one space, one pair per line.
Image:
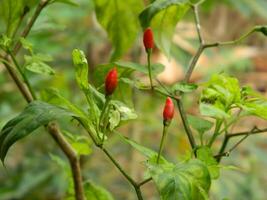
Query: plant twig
x=144 y=181
x=197 y=22
x=72 y=156
x=26 y=80
x=186 y=125
x=42 y=4
x=229 y=136
x=163 y=137
x=98 y=144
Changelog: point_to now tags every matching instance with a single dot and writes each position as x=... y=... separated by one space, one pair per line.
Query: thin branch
x=193 y=63
x=21 y=86
x=229 y=136
x=98 y=144
x=29 y=26
x=144 y=182
x=197 y=22
x=73 y=158
x=254 y=131
x=233 y=42
x=186 y=125
x=26 y=80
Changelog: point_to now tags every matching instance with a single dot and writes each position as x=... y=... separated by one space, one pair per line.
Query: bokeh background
x=37 y=169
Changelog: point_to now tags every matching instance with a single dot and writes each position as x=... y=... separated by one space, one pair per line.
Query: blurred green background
x=34 y=165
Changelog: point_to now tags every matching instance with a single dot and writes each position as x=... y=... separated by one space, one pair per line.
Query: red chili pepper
x=111 y=81
x=168 y=111
x=148 y=39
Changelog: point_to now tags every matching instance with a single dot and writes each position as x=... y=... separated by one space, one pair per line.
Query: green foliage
x=70 y=2
x=96 y=192
x=184 y=181
x=5 y=42
x=184 y=87
x=37 y=64
x=11 y=11
x=199 y=124
x=81 y=68
x=162 y=16
x=204 y=154
x=116 y=17
x=223 y=93
x=36 y=114
x=81 y=144
x=143 y=150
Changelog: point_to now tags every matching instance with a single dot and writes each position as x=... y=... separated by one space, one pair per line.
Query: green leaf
x=26 y=44
x=52 y=96
x=81 y=68
x=212 y=111
x=222 y=91
x=81 y=144
x=114 y=119
x=126 y=113
x=11 y=11
x=204 y=154
x=96 y=192
x=162 y=16
x=257 y=108
x=199 y=124
x=36 y=114
x=5 y=42
x=184 y=87
x=37 y=65
x=70 y=2
x=185 y=181
x=143 y=150
x=117 y=17
x=124 y=68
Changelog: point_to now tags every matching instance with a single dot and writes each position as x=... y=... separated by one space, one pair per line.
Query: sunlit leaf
x=96 y=192
x=184 y=181
x=81 y=68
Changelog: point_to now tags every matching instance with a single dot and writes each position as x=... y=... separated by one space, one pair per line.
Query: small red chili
x=111 y=81
x=168 y=111
x=148 y=39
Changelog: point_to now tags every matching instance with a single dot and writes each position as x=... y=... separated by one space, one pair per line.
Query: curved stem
x=216 y=132
x=25 y=79
x=149 y=51
x=164 y=132
x=27 y=29
x=186 y=125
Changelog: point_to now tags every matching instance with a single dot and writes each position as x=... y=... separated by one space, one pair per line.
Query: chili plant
x=222 y=102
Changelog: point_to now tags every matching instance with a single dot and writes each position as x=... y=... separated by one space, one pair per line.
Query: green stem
x=164 y=132
x=240 y=39
x=149 y=51
x=25 y=79
x=188 y=131
x=216 y=132
x=100 y=125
